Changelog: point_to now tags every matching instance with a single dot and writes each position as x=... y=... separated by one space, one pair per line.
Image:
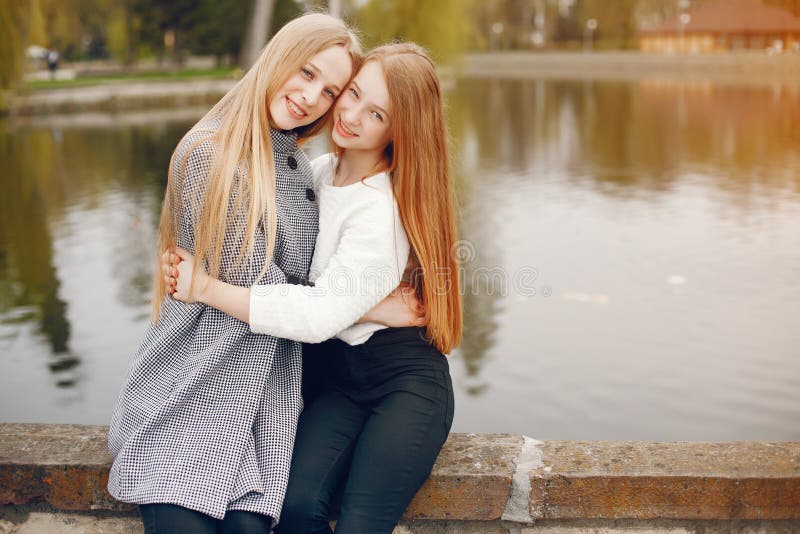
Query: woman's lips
x=294 y=110
x=344 y=130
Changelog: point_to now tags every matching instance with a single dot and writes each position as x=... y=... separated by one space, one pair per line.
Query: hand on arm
x=401 y=308
x=178 y=266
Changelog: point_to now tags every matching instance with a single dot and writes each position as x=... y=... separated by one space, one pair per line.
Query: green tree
x=214 y=27
x=616 y=28
x=14 y=17
x=442 y=27
x=78 y=29
x=218 y=28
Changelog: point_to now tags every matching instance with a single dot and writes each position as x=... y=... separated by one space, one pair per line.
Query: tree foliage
x=13 y=40
x=78 y=29
x=616 y=28
x=443 y=27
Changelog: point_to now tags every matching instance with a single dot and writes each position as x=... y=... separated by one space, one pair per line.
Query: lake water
x=631 y=255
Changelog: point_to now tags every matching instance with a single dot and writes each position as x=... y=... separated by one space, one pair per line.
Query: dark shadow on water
x=27 y=268
x=53 y=173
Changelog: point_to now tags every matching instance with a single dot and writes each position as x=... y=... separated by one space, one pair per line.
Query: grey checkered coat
x=207 y=416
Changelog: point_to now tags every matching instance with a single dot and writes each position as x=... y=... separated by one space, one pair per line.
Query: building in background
x=723 y=26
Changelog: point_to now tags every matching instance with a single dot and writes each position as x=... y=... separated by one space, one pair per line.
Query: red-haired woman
x=386 y=215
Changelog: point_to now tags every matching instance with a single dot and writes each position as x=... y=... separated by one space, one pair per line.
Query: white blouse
x=360 y=256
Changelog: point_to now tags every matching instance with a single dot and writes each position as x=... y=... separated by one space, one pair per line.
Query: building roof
x=732 y=16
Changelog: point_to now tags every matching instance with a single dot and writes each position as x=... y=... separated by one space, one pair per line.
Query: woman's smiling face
x=362 y=116
x=310 y=92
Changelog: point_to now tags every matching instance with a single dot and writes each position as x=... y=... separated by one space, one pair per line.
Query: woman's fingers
x=171 y=284
x=183 y=254
x=170 y=273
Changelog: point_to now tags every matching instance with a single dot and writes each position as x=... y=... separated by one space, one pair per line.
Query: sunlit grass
x=160 y=76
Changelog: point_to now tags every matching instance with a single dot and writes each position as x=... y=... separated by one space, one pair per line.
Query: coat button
x=292 y=162
x=310 y=194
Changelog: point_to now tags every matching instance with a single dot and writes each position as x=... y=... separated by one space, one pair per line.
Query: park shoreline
x=748 y=68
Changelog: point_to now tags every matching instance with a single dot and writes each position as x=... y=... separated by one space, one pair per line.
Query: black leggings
x=174 y=519
x=370 y=438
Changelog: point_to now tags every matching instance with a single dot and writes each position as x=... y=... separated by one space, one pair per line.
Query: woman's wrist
x=205 y=286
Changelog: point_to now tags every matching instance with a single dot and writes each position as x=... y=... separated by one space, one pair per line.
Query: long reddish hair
x=418 y=161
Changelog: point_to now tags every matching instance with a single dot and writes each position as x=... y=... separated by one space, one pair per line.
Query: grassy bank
x=133 y=77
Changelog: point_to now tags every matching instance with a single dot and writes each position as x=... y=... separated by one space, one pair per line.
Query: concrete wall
x=53 y=478
x=735 y=67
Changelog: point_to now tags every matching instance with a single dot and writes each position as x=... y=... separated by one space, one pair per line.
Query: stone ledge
x=122 y=96
x=480 y=477
x=675 y=480
x=749 y=68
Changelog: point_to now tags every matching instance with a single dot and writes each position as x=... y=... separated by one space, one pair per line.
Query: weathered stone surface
x=41 y=521
x=63 y=465
x=62 y=445
x=61 y=523
x=736 y=480
x=470 y=480
x=66 y=467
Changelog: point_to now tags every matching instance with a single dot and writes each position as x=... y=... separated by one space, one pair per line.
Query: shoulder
x=377 y=188
x=380 y=181
x=195 y=154
x=323 y=160
x=323 y=166
x=373 y=198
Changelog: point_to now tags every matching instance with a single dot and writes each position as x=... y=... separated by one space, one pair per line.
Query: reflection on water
x=630 y=258
x=624 y=139
x=636 y=134
x=29 y=283
x=660 y=219
x=78 y=210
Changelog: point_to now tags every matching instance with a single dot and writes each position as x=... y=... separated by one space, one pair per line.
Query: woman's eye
x=307 y=73
x=330 y=94
x=353 y=91
x=377 y=116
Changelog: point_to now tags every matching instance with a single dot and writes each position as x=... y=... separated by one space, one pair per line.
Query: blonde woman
x=203 y=430
x=386 y=213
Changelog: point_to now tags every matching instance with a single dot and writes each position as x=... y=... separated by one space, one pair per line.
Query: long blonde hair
x=243 y=142
x=418 y=161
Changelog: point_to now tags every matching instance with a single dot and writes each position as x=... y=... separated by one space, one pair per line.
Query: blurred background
x=628 y=174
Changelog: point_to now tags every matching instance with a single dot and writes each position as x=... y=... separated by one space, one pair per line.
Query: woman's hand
x=169 y=262
x=400 y=308
x=178 y=266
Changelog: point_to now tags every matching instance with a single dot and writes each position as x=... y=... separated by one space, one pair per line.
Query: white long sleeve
x=359 y=259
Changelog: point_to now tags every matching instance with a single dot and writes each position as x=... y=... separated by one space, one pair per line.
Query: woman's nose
x=351 y=114
x=311 y=96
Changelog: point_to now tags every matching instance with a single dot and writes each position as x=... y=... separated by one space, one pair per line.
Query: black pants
x=369 y=439
x=173 y=519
